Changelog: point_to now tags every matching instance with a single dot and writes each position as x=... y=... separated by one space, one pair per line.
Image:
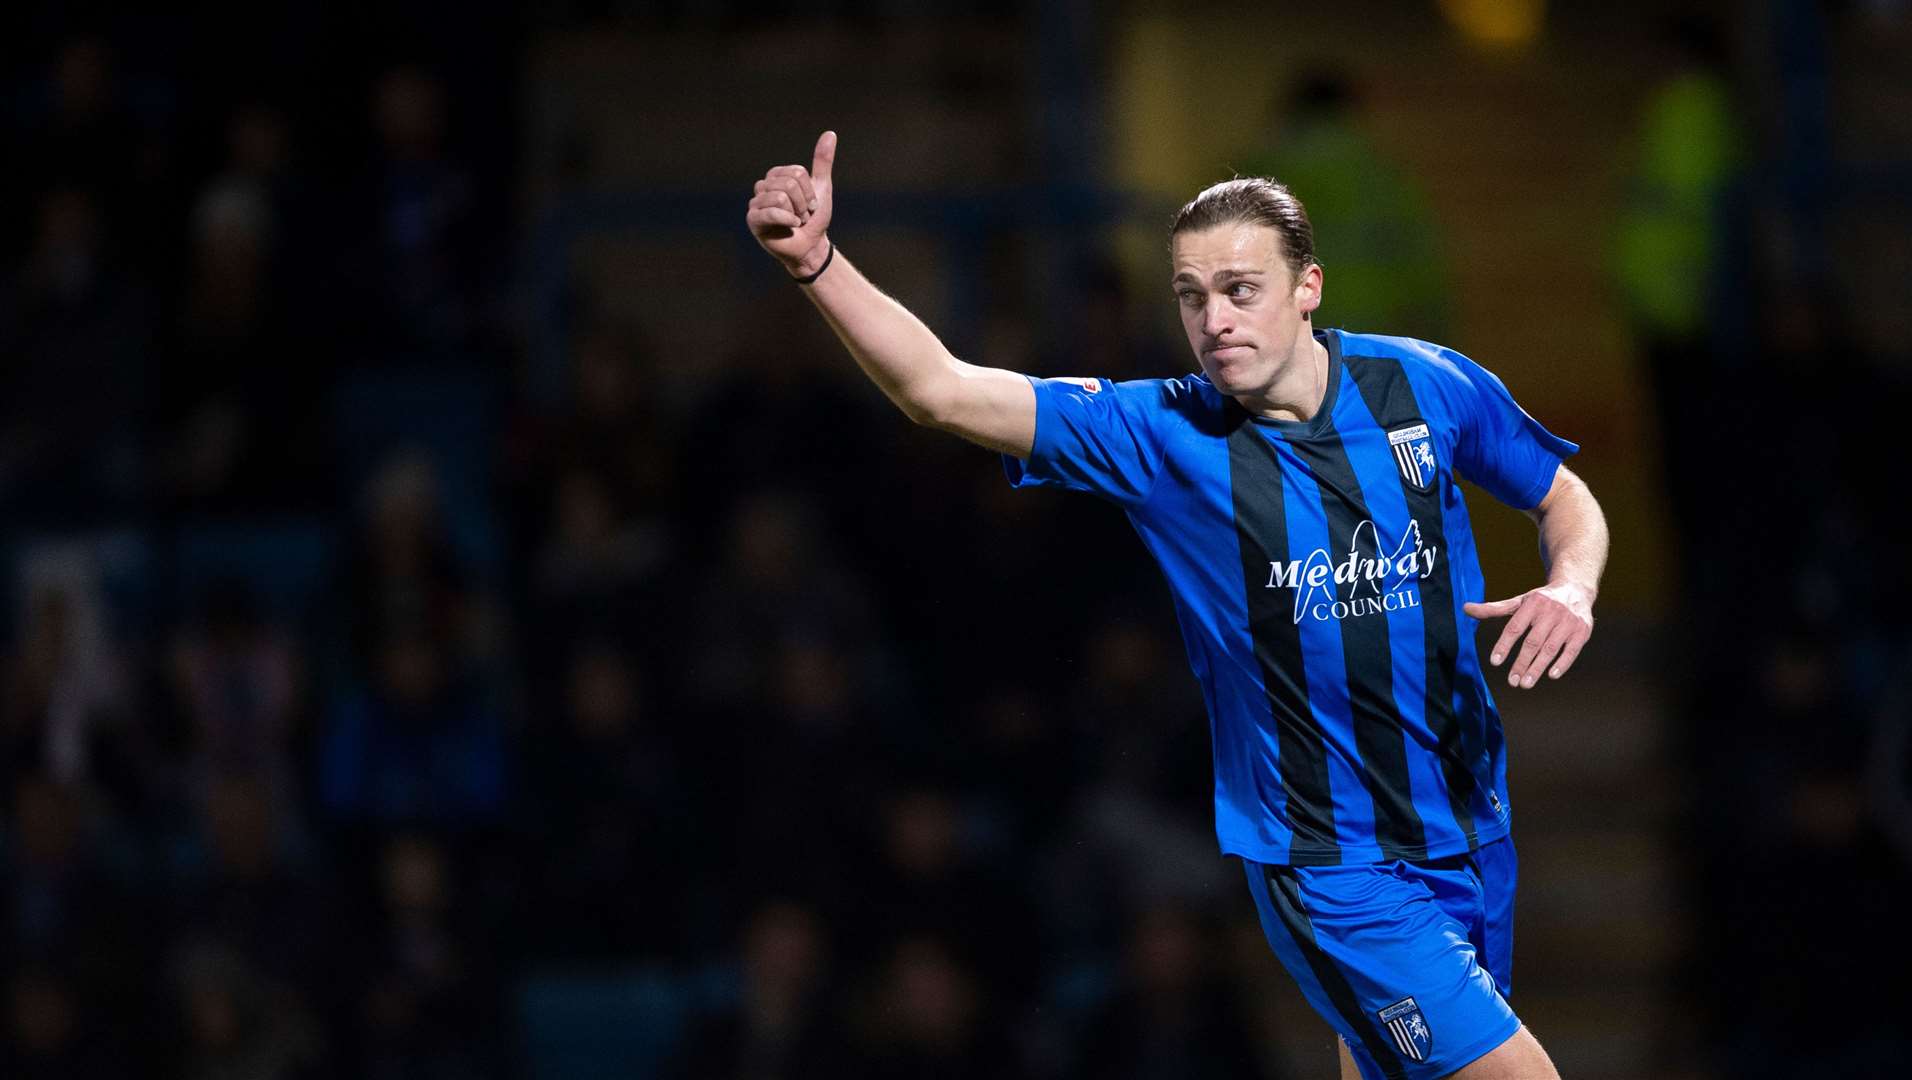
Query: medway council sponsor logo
x=1361 y=582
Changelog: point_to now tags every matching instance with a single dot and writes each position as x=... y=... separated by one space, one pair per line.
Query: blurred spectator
x=1667 y=258
x=61 y=902
x=594 y=490
x=241 y=886
x=596 y=550
x=1138 y=835
x=229 y=301
x=784 y=1026
x=789 y=399
x=612 y=510
x=781 y=580
x=428 y=1006
x=416 y=735
x=74 y=326
x=80 y=131
x=67 y=713
x=404 y=575
x=1689 y=149
x=421 y=744
x=924 y=1018
x=920 y=880
x=239 y=679
x=420 y=274
x=238 y=1023
x=1380 y=249
x=1174 y=1016
x=1020 y=770
x=612 y=851
x=790 y=772
x=46 y=1035
x=614 y=422
x=240 y=392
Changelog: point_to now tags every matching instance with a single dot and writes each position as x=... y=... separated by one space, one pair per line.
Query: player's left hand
x=1557 y=620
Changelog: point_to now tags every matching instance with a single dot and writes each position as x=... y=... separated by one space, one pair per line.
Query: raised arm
x=1557 y=618
x=790 y=216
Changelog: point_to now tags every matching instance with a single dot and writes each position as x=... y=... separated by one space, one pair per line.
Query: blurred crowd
x=362 y=713
x=1788 y=619
x=365 y=713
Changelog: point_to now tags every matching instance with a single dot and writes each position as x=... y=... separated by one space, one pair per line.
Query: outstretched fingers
x=1548 y=632
x=1570 y=651
x=1491 y=609
x=1510 y=634
x=1544 y=639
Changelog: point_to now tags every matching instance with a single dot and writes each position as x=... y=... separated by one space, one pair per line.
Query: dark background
x=465 y=616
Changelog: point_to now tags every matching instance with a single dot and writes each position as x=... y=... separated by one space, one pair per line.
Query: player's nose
x=1215 y=321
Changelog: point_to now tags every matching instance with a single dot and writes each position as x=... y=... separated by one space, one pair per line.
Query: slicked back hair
x=1254 y=200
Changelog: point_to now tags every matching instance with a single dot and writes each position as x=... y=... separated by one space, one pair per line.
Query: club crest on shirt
x=1407 y=1029
x=1414 y=455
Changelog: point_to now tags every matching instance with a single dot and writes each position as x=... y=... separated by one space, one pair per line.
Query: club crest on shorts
x=1408 y=1029
x=1414 y=455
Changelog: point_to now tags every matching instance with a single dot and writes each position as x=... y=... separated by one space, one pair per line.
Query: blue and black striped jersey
x=1318 y=570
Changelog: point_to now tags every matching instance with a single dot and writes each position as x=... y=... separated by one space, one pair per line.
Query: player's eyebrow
x=1223 y=275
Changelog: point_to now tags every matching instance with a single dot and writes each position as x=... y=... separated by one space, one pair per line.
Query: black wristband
x=820 y=269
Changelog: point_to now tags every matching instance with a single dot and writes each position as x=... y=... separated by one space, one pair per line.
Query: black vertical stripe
x=1285 y=894
x=1390 y=398
x=1261 y=527
x=1367 y=654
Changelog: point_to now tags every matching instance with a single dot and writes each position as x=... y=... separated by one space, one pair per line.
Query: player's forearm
x=892 y=346
x=1573 y=537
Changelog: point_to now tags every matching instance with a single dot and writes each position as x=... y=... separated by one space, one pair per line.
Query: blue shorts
x=1411 y=962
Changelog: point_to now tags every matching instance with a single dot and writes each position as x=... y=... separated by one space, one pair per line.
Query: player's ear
x=1308 y=288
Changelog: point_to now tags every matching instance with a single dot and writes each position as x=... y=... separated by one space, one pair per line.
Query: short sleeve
x=1499 y=446
x=1097 y=436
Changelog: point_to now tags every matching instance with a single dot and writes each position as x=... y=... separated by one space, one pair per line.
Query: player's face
x=1242 y=308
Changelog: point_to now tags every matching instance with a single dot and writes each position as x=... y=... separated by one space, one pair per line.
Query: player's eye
x=1242 y=285
x=1189 y=297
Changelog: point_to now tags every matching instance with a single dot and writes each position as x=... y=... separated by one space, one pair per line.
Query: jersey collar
x=1322 y=419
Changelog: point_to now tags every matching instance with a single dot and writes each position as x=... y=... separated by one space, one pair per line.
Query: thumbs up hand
x=790 y=212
